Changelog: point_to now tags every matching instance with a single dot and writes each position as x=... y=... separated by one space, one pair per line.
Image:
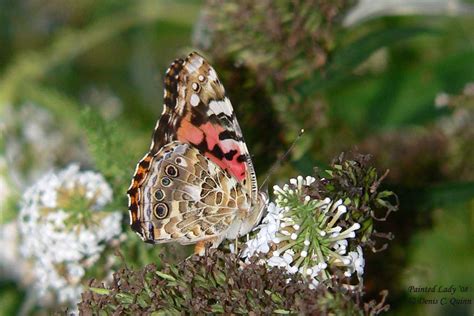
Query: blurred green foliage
x=375 y=90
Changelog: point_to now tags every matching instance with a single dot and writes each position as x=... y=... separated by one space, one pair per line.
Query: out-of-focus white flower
x=442 y=100
x=306 y=235
x=64 y=230
x=12 y=265
x=109 y=104
x=34 y=144
x=460 y=121
x=469 y=89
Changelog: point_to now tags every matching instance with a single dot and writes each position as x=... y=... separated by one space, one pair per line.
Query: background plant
x=397 y=87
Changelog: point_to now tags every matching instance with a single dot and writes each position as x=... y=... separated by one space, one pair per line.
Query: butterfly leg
x=200 y=247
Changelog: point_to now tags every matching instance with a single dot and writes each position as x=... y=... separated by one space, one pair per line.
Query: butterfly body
x=197 y=182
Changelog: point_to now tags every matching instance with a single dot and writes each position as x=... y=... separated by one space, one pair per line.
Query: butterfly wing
x=185 y=197
x=198 y=116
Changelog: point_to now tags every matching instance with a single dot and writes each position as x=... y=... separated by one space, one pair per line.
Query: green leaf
x=281 y=311
x=99 y=290
x=349 y=57
x=200 y=279
x=219 y=277
x=103 y=313
x=385 y=194
x=165 y=276
x=166 y=312
x=10 y=298
x=106 y=144
x=217 y=308
x=442 y=195
x=142 y=302
x=124 y=298
x=276 y=298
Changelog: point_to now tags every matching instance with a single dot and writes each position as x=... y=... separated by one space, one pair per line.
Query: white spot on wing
x=193 y=191
x=212 y=74
x=194 y=100
x=212 y=169
x=182 y=163
x=218 y=107
x=232 y=183
x=229 y=144
x=228 y=106
x=181 y=149
x=194 y=64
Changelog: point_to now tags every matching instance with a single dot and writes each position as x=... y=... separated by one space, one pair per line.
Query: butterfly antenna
x=278 y=162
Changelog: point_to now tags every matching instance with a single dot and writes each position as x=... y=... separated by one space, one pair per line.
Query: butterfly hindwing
x=186 y=197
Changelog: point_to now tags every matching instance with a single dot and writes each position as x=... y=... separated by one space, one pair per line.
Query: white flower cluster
x=302 y=235
x=460 y=120
x=34 y=144
x=64 y=231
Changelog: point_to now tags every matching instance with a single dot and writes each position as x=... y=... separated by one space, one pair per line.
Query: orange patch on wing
x=189 y=133
x=234 y=167
x=212 y=134
x=237 y=169
x=217 y=161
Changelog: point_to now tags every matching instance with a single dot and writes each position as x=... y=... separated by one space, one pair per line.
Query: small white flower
x=357 y=261
x=292 y=269
x=288 y=256
x=277 y=261
x=58 y=241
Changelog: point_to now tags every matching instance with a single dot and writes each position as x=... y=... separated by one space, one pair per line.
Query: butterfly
x=197 y=183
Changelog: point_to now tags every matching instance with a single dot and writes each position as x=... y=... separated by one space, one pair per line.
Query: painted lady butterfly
x=197 y=183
